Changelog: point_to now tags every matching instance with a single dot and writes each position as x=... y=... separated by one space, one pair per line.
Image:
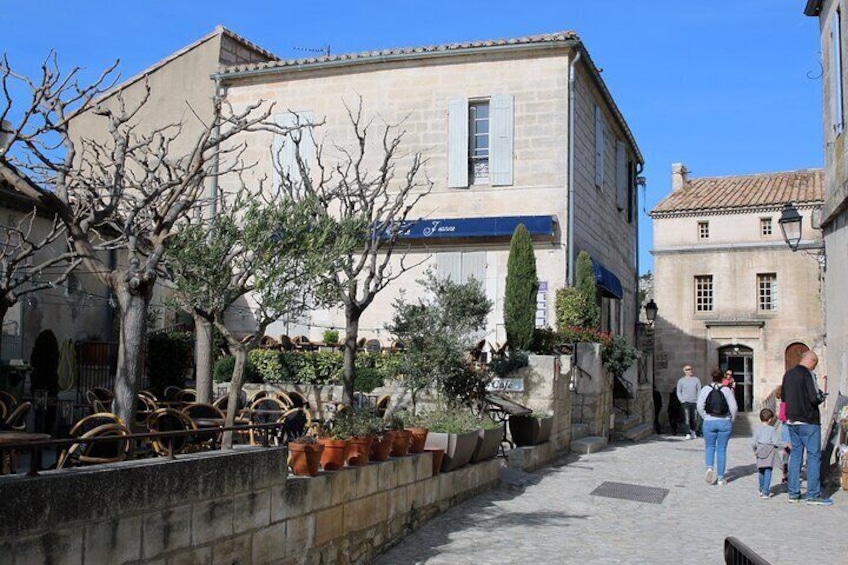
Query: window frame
x=767 y=289
x=704 y=293
x=703 y=229
x=474 y=177
x=766 y=227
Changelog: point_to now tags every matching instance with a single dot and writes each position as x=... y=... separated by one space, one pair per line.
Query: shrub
x=545 y=341
x=618 y=355
x=223 y=371
x=502 y=365
x=520 y=291
x=366 y=379
x=589 y=288
x=331 y=337
x=170 y=356
x=450 y=421
x=268 y=363
x=321 y=367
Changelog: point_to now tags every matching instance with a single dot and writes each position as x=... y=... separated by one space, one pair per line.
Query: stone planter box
x=488 y=443
x=527 y=430
x=459 y=448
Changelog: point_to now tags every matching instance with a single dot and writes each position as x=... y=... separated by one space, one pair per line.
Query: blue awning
x=607 y=282
x=495 y=226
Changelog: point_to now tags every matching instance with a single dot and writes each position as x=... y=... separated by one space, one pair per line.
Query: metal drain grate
x=636 y=493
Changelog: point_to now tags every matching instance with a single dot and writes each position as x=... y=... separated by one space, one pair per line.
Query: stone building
x=834 y=216
x=731 y=294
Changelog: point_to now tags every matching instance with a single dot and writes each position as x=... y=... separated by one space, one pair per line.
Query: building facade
x=834 y=216
x=731 y=294
x=501 y=124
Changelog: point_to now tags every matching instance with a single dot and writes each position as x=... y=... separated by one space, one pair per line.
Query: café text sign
x=506 y=385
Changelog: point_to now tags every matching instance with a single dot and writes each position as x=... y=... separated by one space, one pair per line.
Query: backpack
x=716 y=403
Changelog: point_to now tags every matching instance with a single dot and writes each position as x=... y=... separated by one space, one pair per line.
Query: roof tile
x=744 y=191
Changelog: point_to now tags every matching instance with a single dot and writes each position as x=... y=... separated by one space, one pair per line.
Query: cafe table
x=14 y=437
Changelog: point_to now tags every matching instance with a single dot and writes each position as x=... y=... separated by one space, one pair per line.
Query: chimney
x=679 y=176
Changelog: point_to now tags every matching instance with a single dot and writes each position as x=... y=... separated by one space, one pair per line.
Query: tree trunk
x=4 y=308
x=239 y=351
x=203 y=346
x=351 y=335
x=131 y=348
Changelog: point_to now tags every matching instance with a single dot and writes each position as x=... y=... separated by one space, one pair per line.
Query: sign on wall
x=506 y=385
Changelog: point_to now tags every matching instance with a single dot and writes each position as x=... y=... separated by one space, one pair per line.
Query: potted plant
x=531 y=430
x=455 y=432
x=381 y=447
x=362 y=424
x=335 y=442
x=304 y=456
x=489 y=437
x=400 y=437
x=418 y=432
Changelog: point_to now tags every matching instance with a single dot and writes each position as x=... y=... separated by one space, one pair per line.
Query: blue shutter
x=836 y=72
x=500 y=139
x=458 y=143
x=620 y=175
x=284 y=147
x=599 y=147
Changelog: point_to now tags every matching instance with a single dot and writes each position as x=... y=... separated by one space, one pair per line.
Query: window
x=542 y=305
x=622 y=179
x=704 y=293
x=767 y=291
x=836 y=71
x=460 y=266
x=297 y=143
x=480 y=141
x=765 y=226
x=703 y=230
x=599 y=147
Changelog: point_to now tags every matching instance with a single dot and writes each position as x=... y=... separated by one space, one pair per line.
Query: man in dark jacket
x=802 y=398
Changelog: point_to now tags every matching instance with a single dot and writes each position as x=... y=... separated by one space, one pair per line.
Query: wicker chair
x=298 y=422
x=146 y=406
x=94 y=453
x=265 y=411
x=17 y=419
x=10 y=401
x=298 y=400
x=383 y=404
x=186 y=395
x=206 y=437
x=169 y=420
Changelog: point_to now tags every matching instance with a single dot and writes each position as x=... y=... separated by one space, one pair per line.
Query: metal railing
x=737 y=553
x=37 y=447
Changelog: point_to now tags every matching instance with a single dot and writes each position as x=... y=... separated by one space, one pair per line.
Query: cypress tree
x=588 y=287
x=520 y=292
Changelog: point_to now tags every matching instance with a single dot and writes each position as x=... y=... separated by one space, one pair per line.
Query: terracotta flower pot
x=381 y=447
x=359 y=451
x=335 y=453
x=419 y=437
x=438 y=456
x=400 y=443
x=305 y=458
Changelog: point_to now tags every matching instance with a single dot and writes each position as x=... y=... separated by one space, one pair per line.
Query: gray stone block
x=165 y=531
x=211 y=520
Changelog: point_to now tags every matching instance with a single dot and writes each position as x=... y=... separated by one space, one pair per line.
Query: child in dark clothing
x=674 y=411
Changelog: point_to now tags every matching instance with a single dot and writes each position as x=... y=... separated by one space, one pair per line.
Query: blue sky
x=725 y=86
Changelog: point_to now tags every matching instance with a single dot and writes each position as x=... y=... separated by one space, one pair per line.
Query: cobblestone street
x=550 y=517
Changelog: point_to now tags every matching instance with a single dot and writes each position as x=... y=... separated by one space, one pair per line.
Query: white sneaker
x=710 y=476
x=721 y=482
x=688 y=436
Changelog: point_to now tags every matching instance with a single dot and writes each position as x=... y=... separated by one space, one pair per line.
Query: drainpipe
x=572 y=101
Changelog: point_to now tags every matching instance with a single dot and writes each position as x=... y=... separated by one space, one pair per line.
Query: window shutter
x=474 y=265
x=836 y=72
x=458 y=143
x=599 y=147
x=620 y=174
x=449 y=266
x=500 y=139
x=284 y=146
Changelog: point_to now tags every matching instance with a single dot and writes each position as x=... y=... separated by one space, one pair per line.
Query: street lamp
x=651 y=311
x=790 y=225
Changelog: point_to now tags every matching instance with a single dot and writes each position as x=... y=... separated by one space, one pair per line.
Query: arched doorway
x=792 y=355
x=740 y=360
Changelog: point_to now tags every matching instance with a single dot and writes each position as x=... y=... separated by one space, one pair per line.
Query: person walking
x=717 y=407
x=766 y=445
x=802 y=398
x=687 y=392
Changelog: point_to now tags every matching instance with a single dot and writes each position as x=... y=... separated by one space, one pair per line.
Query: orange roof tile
x=803 y=187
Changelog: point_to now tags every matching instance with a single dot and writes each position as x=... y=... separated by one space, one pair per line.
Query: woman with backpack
x=717 y=407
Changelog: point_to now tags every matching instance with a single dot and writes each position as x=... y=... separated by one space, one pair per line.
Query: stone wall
x=591 y=394
x=225 y=507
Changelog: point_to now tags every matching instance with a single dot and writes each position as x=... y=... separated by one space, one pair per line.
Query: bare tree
x=127 y=192
x=376 y=202
x=29 y=261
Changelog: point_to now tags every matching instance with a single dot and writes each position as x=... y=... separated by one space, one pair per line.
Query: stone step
x=590 y=444
x=579 y=431
x=624 y=422
x=638 y=433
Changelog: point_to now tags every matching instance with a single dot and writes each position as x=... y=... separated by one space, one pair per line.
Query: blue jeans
x=805 y=437
x=690 y=418
x=716 y=436
x=765 y=480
